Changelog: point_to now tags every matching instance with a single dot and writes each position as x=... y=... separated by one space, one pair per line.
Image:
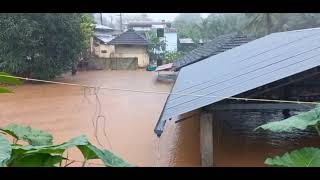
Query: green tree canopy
x=42 y=45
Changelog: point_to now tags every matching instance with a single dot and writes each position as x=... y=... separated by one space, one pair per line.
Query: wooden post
x=206 y=139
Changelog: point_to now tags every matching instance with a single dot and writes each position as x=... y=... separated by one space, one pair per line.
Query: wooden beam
x=262 y=106
x=282 y=82
x=206 y=139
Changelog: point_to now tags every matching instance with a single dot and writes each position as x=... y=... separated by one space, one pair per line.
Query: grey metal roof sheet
x=243 y=68
x=217 y=45
x=129 y=37
x=105 y=38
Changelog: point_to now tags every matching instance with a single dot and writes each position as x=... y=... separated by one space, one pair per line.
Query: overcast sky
x=154 y=16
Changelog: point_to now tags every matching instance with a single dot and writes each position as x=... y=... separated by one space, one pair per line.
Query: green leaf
x=89 y=151
x=305 y=157
x=5 y=151
x=26 y=133
x=5 y=90
x=109 y=159
x=300 y=121
x=53 y=149
x=36 y=160
x=8 y=80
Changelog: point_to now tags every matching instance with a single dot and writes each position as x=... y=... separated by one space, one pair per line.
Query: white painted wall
x=171 y=41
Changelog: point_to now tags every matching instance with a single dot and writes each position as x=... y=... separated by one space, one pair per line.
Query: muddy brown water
x=67 y=112
x=130 y=118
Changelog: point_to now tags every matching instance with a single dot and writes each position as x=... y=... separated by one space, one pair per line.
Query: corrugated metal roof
x=105 y=39
x=186 y=41
x=164 y=67
x=217 y=45
x=129 y=37
x=102 y=27
x=243 y=68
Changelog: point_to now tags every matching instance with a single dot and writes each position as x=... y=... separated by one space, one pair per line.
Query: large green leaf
x=109 y=159
x=53 y=149
x=5 y=151
x=298 y=122
x=50 y=154
x=26 y=133
x=8 y=79
x=36 y=160
x=5 y=90
x=305 y=157
x=89 y=151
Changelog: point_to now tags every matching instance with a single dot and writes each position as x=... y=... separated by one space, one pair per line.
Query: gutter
x=158 y=130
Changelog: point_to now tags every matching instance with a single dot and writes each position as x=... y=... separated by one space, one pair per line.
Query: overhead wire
x=163 y=92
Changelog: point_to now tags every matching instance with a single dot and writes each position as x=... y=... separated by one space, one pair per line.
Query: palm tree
x=261 y=23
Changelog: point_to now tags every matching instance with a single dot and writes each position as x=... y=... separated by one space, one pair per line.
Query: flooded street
x=67 y=111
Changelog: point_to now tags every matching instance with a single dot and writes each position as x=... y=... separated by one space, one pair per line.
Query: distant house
x=280 y=66
x=131 y=44
x=100 y=46
x=186 y=44
x=163 y=29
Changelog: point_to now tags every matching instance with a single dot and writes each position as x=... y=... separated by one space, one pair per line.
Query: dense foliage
x=42 y=45
x=194 y=26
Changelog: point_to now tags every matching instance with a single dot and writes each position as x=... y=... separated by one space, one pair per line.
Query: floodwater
x=127 y=118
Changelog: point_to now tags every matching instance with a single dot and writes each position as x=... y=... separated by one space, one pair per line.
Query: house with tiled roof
x=213 y=47
x=131 y=44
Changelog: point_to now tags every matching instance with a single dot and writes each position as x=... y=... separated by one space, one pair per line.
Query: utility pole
x=101 y=18
x=120 y=22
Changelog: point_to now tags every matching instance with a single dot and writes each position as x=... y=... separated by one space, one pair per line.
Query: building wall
x=98 y=63
x=104 y=51
x=139 y=52
x=171 y=39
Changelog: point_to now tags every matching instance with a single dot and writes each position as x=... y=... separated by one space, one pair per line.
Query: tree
x=188 y=18
x=262 y=24
x=42 y=45
x=303 y=20
x=156 y=47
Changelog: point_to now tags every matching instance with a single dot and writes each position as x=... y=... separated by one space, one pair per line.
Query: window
x=160 y=32
x=103 y=51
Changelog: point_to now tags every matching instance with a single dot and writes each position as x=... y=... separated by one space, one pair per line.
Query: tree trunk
x=269 y=24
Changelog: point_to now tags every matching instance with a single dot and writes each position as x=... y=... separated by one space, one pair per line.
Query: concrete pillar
x=206 y=139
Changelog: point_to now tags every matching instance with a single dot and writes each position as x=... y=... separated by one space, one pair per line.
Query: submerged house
x=131 y=44
x=163 y=29
x=214 y=91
